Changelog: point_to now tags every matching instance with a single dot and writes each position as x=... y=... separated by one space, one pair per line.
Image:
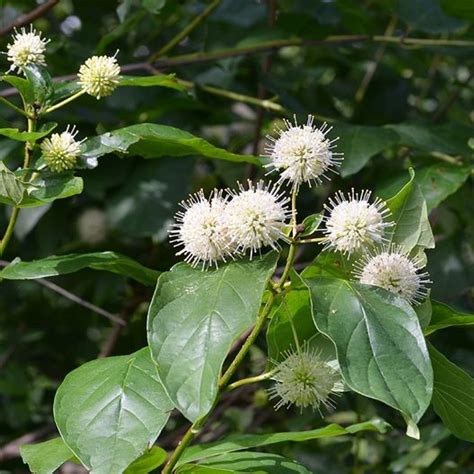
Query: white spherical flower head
x=60 y=151
x=200 y=230
x=256 y=217
x=394 y=270
x=27 y=48
x=303 y=153
x=305 y=379
x=99 y=75
x=354 y=223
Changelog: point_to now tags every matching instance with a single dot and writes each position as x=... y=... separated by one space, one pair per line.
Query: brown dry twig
x=29 y=17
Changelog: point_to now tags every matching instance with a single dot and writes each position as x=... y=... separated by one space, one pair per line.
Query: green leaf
x=194 y=318
x=359 y=143
x=152 y=141
x=427 y=16
x=329 y=264
x=246 y=461
x=453 y=396
x=12 y=189
x=444 y=317
x=247 y=441
x=40 y=82
x=436 y=182
x=152 y=459
x=45 y=189
x=22 y=86
x=158 y=80
x=110 y=410
x=153 y=6
x=15 y=134
x=46 y=457
x=459 y=8
x=449 y=138
x=311 y=224
x=64 y=89
x=410 y=214
x=380 y=345
x=63 y=264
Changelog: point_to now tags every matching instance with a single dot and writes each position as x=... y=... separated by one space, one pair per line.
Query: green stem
x=14 y=107
x=261 y=320
x=14 y=215
x=185 y=32
x=249 y=380
x=266 y=104
x=9 y=231
x=197 y=425
x=64 y=102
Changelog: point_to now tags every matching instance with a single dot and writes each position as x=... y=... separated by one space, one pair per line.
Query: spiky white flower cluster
x=256 y=217
x=99 y=75
x=61 y=150
x=28 y=47
x=303 y=153
x=353 y=223
x=392 y=268
x=305 y=379
x=212 y=230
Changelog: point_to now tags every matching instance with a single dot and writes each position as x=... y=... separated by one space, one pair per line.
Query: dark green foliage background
x=416 y=112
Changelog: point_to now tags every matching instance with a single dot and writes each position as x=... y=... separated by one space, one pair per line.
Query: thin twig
x=29 y=17
x=80 y=301
x=329 y=40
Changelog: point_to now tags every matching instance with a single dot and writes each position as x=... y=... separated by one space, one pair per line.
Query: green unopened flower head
x=27 y=48
x=61 y=150
x=305 y=379
x=99 y=75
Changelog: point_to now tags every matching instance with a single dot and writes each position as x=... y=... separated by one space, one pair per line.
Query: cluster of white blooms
x=303 y=154
x=99 y=75
x=305 y=379
x=391 y=268
x=222 y=226
x=28 y=47
x=61 y=150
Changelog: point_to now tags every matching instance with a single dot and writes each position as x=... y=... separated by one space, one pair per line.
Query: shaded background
x=394 y=103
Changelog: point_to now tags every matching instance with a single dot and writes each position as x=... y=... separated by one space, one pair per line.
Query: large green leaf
x=193 y=319
x=427 y=16
x=444 y=317
x=246 y=461
x=359 y=143
x=46 y=457
x=110 y=410
x=152 y=141
x=22 y=85
x=380 y=345
x=436 y=182
x=63 y=264
x=247 y=441
x=410 y=214
x=453 y=396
